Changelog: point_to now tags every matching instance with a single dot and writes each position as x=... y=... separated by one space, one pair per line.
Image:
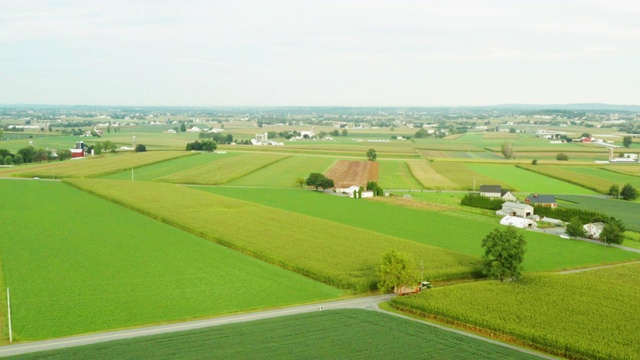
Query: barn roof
x=541 y=199
x=490 y=188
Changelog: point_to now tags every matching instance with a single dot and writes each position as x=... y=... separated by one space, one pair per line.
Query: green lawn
x=590 y=315
x=526 y=181
x=78 y=264
x=441 y=229
x=331 y=334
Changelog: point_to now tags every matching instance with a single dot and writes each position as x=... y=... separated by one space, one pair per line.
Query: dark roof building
x=541 y=200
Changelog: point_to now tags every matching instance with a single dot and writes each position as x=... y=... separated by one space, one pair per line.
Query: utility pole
x=9 y=316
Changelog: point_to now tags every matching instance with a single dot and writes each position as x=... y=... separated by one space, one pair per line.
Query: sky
x=319 y=53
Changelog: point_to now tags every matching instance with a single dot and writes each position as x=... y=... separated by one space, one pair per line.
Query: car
x=36 y=178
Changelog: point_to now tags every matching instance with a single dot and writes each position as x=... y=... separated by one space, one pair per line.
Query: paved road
x=367 y=303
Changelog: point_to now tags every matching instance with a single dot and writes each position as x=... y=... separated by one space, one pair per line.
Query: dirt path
x=596 y=268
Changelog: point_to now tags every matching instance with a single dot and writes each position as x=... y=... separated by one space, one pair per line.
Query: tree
x=326 y=183
x=507 y=150
x=397 y=269
x=627 y=141
x=512 y=130
x=1 y=133
x=18 y=159
x=300 y=181
x=64 y=154
x=629 y=192
x=534 y=162
x=575 y=229
x=371 y=155
x=183 y=127
x=611 y=234
x=504 y=253
x=562 y=157
x=141 y=148
x=97 y=148
x=344 y=132
x=8 y=160
x=315 y=179
x=422 y=133
x=27 y=154
x=614 y=191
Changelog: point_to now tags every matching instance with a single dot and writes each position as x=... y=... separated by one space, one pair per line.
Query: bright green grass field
x=627 y=211
x=337 y=254
x=284 y=172
x=396 y=175
x=592 y=314
x=155 y=171
x=544 y=252
x=527 y=181
x=77 y=264
x=614 y=177
x=331 y=334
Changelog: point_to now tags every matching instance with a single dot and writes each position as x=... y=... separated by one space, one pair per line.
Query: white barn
x=518 y=222
x=510 y=208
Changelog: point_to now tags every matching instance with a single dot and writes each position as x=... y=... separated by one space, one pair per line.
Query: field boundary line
x=596 y=268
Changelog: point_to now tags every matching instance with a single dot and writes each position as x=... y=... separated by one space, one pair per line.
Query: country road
x=367 y=303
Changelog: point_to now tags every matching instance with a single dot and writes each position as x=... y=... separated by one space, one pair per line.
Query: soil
x=346 y=173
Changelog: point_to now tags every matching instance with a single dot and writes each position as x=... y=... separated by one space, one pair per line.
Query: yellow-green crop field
x=336 y=254
x=463 y=176
x=428 y=177
x=588 y=315
x=284 y=172
x=393 y=174
x=584 y=178
x=224 y=169
x=93 y=166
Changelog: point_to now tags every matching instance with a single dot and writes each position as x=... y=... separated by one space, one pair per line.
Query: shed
x=542 y=200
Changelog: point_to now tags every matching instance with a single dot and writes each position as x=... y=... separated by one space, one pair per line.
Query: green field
x=589 y=177
x=284 y=172
x=78 y=264
x=461 y=232
x=331 y=334
x=340 y=255
x=626 y=211
x=223 y=170
x=602 y=172
x=591 y=315
x=521 y=180
x=464 y=177
x=428 y=176
x=165 y=168
x=92 y=166
x=396 y=175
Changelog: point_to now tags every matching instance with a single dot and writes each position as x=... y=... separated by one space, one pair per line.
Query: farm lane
x=369 y=303
x=596 y=268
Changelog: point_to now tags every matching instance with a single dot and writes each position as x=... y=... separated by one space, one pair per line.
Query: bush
x=629 y=192
x=534 y=162
x=141 y=148
x=562 y=157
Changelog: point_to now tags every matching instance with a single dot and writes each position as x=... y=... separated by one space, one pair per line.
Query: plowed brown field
x=346 y=173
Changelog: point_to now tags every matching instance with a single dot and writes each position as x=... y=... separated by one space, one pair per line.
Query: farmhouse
x=496 y=191
x=593 y=229
x=510 y=208
x=518 y=222
x=542 y=200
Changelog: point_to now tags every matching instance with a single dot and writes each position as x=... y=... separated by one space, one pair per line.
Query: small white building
x=593 y=230
x=518 y=222
x=515 y=209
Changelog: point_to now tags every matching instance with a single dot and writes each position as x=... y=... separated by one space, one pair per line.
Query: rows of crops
x=464 y=177
x=461 y=231
x=283 y=173
x=585 y=180
x=590 y=315
x=223 y=170
x=428 y=177
x=353 y=334
x=336 y=254
x=78 y=264
x=93 y=166
x=397 y=175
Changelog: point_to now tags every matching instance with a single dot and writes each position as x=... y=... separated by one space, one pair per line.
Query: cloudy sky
x=350 y=53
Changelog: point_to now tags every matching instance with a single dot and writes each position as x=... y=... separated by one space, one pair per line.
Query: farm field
x=165 y=168
x=331 y=334
x=464 y=177
x=428 y=177
x=337 y=254
x=92 y=166
x=91 y=265
x=347 y=173
x=624 y=169
x=397 y=175
x=588 y=178
x=460 y=231
x=284 y=172
x=624 y=210
x=521 y=180
x=602 y=172
x=592 y=314
x=223 y=170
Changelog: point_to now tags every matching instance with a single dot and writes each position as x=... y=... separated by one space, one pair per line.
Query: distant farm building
x=542 y=200
x=510 y=208
x=593 y=230
x=518 y=222
x=78 y=151
x=497 y=192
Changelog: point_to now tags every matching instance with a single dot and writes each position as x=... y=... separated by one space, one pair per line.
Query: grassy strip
x=588 y=315
x=338 y=255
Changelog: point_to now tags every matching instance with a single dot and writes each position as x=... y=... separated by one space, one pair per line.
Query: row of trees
x=204 y=145
x=373 y=186
x=628 y=192
x=30 y=154
x=219 y=138
x=483 y=202
x=585 y=216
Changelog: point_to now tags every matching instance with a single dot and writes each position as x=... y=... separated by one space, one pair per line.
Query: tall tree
x=614 y=191
x=575 y=229
x=371 y=155
x=629 y=192
x=627 y=141
x=507 y=150
x=397 y=269
x=611 y=234
x=300 y=181
x=314 y=180
x=504 y=253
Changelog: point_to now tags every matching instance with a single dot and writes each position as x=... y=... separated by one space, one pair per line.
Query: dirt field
x=346 y=173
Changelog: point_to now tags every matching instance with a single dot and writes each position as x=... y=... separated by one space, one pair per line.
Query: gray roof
x=541 y=199
x=490 y=188
x=512 y=205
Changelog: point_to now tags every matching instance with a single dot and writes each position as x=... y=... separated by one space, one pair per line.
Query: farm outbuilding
x=496 y=191
x=518 y=222
x=593 y=229
x=542 y=200
x=515 y=209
